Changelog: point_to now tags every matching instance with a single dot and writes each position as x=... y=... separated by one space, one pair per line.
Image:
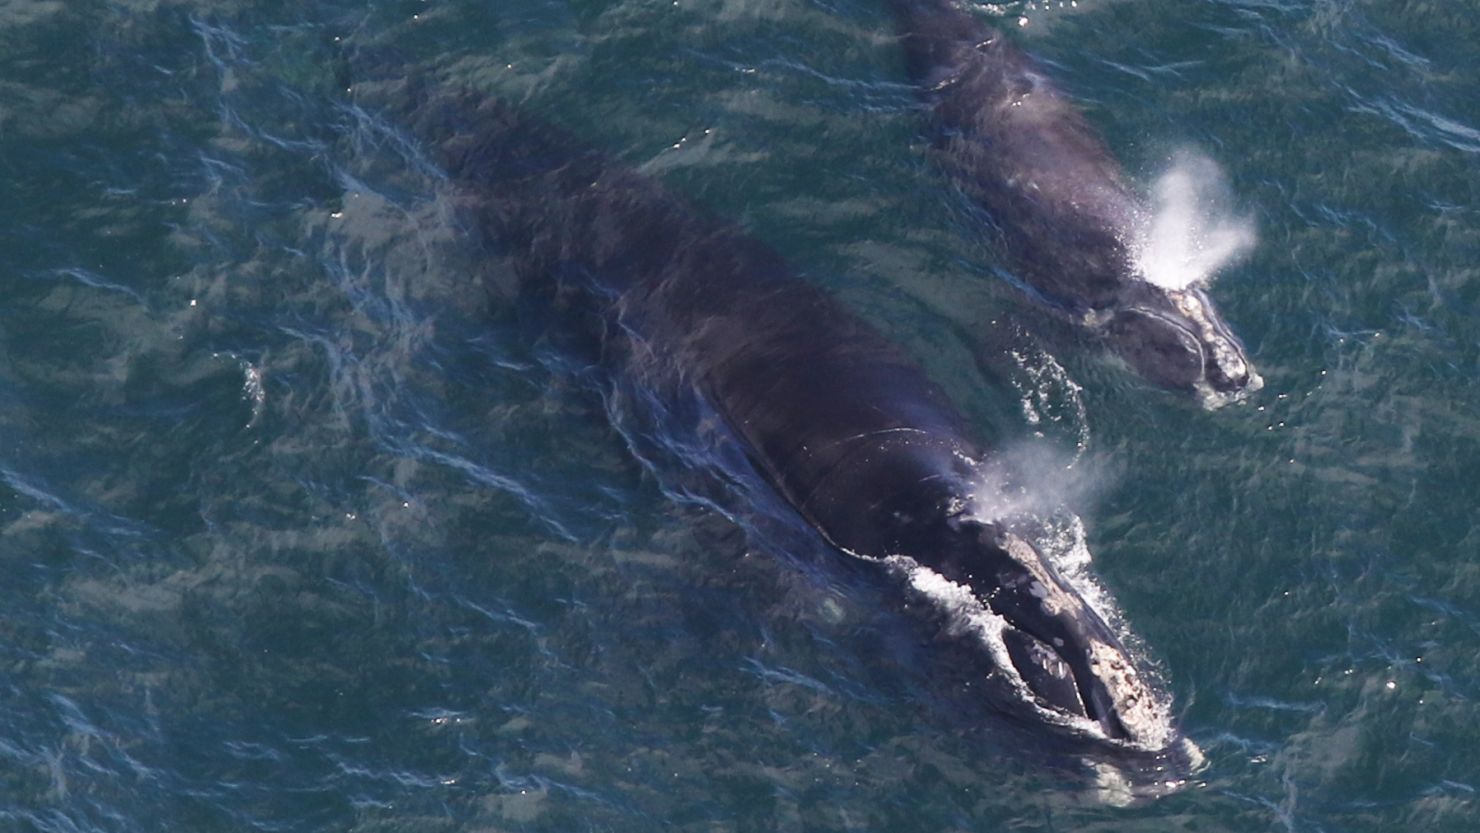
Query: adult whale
x=1070 y=221
x=842 y=424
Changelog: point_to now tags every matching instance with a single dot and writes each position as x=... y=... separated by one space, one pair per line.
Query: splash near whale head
x=1166 y=326
x=1193 y=231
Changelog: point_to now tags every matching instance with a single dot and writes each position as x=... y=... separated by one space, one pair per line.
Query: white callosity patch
x=1063 y=541
x=1144 y=710
x=1053 y=598
x=1192 y=232
x=1145 y=715
x=1226 y=355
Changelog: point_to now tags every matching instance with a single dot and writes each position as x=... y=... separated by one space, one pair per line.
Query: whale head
x=1177 y=339
x=1060 y=662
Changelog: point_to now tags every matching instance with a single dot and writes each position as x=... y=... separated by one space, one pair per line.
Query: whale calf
x=1071 y=223
x=841 y=423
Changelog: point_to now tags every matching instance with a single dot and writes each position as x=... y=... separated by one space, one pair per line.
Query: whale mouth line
x=1059 y=681
x=1180 y=323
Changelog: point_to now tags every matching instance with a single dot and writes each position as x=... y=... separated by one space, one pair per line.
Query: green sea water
x=306 y=524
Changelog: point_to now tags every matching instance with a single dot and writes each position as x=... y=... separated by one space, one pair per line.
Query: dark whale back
x=1017 y=146
x=836 y=416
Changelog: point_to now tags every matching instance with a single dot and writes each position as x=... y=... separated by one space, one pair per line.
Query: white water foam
x=1194 y=230
x=253 y=391
x=1047 y=395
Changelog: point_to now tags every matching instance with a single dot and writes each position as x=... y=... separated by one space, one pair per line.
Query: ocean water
x=308 y=524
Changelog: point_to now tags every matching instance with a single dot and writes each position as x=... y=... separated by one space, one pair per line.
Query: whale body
x=841 y=423
x=1070 y=221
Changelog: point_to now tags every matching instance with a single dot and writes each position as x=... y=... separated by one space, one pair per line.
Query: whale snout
x=1048 y=654
x=1066 y=655
x=1062 y=659
x=1177 y=339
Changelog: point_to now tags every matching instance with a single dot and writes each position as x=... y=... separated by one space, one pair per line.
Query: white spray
x=1194 y=230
